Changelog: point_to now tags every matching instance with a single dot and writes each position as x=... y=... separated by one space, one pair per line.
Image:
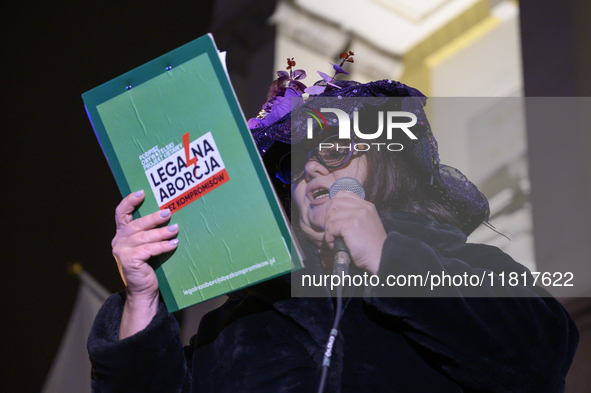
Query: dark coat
x=267 y=341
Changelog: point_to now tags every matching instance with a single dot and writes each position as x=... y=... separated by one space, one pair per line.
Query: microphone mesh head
x=348 y=184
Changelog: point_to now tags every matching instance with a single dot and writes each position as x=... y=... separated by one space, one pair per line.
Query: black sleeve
x=508 y=340
x=152 y=360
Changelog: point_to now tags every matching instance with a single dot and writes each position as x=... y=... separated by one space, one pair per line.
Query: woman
x=415 y=219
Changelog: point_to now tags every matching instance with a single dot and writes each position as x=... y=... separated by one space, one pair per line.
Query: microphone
x=340 y=267
x=342 y=256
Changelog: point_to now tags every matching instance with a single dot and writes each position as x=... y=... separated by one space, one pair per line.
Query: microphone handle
x=342 y=257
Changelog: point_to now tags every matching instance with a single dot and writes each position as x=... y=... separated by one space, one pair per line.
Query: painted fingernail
x=173 y=227
x=139 y=193
x=174 y=242
x=165 y=213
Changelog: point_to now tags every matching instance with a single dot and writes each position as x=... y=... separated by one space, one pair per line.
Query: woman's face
x=311 y=193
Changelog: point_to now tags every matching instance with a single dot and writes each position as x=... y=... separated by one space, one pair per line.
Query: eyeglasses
x=332 y=153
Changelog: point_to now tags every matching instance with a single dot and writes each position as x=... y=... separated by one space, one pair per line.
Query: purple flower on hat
x=281 y=92
x=299 y=74
x=253 y=123
x=315 y=90
x=328 y=79
x=338 y=69
x=282 y=74
x=281 y=107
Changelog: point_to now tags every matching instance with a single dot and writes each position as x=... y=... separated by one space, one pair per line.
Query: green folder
x=173 y=127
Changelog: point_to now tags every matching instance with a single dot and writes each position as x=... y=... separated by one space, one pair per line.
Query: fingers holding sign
x=136 y=241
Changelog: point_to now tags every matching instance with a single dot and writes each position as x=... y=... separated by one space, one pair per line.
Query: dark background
x=59 y=195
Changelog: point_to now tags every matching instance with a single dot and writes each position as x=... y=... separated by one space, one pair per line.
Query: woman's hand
x=134 y=244
x=358 y=223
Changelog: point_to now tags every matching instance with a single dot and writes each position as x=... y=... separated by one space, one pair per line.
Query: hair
x=391 y=184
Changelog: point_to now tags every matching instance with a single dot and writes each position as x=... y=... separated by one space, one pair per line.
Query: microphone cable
x=331 y=339
x=342 y=260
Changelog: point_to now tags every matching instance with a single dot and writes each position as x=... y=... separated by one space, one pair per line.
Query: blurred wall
x=556 y=38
